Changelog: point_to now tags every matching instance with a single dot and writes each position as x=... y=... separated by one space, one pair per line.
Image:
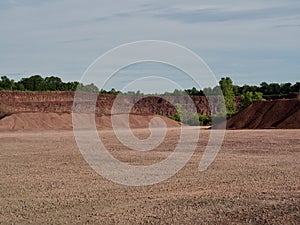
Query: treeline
x=52 y=83
x=264 y=88
x=38 y=83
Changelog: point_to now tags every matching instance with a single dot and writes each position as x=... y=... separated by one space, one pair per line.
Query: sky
x=250 y=41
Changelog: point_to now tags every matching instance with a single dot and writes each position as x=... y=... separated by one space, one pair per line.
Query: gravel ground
x=255 y=179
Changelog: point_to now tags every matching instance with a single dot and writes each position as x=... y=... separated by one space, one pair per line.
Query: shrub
x=190 y=118
x=250 y=97
x=204 y=120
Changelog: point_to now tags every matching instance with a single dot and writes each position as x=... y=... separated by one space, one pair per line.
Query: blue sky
x=250 y=41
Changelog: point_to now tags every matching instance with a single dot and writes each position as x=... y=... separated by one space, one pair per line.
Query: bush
x=192 y=119
x=176 y=117
x=204 y=120
x=250 y=97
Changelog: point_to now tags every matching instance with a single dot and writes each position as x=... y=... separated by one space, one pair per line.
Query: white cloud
x=236 y=37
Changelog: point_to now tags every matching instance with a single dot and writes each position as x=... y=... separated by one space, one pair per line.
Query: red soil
x=279 y=114
x=37 y=120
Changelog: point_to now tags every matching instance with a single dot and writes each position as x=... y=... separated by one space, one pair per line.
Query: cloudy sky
x=250 y=41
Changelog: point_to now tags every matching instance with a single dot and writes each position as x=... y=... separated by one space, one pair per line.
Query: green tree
x=236 y=90
x=88 y=88
x=194 y=91
x=7 y=84
x=274 y=89
x=208 y=91
x=204 y=120
x=113 y=92
x=186 y=117
x=227 y=89
x=216 y=91
x=285 y=88
x=178 y=92
x=20 y=86
x=250 y=97
x=34 y=83
x=264 y=88
x=72 y=86
x=296 y=87
x=54 y=83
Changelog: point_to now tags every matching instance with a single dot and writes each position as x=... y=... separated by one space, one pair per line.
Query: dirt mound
x=279 y=114
x=35 y=120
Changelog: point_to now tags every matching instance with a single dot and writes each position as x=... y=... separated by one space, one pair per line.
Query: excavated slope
x=279 y=114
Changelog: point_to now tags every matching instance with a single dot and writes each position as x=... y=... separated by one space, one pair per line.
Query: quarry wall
x=62 y=102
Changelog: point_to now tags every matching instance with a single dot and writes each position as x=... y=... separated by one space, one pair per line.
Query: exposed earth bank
x=278 y=114
x=52 y=110
x=46 y=121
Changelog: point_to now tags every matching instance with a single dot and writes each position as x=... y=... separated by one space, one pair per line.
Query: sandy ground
x=255 y=179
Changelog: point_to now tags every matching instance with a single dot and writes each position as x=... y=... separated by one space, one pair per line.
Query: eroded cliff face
x=62 y=102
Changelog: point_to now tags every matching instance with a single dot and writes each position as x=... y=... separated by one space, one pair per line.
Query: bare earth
x=255 y=179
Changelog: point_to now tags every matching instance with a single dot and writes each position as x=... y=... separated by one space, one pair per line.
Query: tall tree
x=6 y=83
x=227 y=89
x=34 y=83
x=54 y=83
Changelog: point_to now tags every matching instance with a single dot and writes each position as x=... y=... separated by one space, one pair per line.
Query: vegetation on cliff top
x=52 y=83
